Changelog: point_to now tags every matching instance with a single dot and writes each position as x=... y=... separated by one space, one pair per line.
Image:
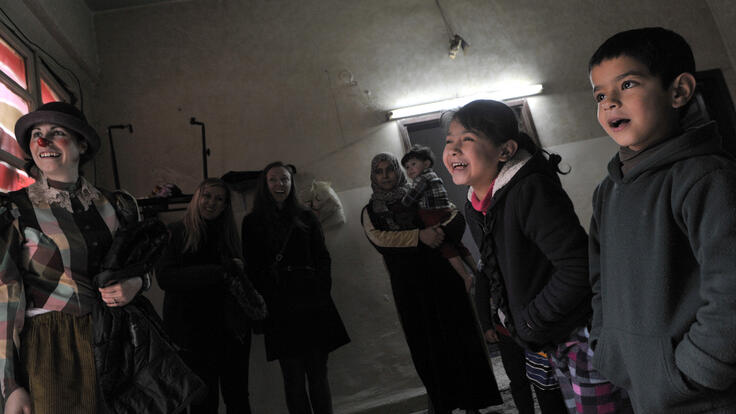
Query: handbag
x=274 y=268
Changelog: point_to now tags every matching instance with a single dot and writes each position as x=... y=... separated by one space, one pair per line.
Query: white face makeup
x=56 y=152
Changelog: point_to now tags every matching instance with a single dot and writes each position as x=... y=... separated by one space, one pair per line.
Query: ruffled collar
x=41 y=193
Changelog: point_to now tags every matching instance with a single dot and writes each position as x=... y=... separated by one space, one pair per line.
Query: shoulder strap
x=280 y=255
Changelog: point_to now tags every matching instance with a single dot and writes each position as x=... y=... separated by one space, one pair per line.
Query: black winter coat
x=137 y=366
x=436 y=314
x=531 y=231
x=302 y=314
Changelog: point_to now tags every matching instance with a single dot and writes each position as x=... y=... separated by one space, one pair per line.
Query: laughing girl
x=534 y=281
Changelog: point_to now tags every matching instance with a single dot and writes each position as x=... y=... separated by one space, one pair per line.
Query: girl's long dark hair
x=497 y=122
x=195 y=227
x=265 y=207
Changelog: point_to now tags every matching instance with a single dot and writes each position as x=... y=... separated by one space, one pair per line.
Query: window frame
x=520 y=107
x=47 y=75
x=36 y=70
x=30 y=58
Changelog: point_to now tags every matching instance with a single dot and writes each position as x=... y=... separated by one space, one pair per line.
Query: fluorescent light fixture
x=499 y=95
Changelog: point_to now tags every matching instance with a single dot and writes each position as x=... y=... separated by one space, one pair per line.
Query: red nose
x=42 y=142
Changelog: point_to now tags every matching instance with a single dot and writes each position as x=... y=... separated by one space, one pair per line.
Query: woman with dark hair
x=434 y=308
x=285 y=249
x=202 y=258
x=54 y=236
x=533 y=287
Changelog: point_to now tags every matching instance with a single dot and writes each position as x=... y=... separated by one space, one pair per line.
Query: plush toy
x=324 y=202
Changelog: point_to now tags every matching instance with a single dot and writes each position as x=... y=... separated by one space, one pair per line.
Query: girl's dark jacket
x=302 y=315
x=532 y=240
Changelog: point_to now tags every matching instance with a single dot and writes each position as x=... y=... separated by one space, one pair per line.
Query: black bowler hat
x=62 y=114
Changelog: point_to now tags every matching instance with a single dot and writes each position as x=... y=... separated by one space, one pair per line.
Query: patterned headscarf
x=381 y=197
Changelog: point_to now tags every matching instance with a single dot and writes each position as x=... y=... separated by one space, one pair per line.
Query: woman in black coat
x=285 y=250
x=200 y=310
x=435 y=310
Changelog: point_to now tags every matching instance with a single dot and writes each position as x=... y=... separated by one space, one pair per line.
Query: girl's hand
x=491 y=336
x=19 y=402
x=432 y=236
x=120 y=294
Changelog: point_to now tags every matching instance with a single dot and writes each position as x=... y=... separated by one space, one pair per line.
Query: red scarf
x=482 y=205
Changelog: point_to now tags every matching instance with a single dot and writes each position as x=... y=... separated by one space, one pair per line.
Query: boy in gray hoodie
x=663 y=233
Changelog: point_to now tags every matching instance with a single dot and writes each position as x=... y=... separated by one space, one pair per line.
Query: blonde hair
x=195 y=227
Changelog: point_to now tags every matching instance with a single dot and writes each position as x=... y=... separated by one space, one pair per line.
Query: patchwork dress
x=51 y=244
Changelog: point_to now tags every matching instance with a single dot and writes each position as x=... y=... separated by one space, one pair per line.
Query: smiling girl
x=285 y=249
x=214 y=336
x=534 y=280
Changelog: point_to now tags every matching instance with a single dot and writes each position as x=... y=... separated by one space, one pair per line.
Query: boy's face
x=414 y=167
x=633 y=107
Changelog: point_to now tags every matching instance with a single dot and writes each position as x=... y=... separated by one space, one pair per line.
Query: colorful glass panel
x=13 y=64
x=48 y=94
x=12 y=107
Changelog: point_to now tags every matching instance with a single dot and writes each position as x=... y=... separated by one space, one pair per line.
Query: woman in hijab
x=436 y=314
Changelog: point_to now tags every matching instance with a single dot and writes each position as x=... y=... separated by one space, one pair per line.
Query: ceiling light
x=498 y=95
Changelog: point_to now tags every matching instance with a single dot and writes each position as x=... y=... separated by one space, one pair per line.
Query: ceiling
x=107 y=5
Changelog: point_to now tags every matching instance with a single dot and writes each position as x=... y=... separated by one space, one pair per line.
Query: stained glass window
x=12 y=107
x=48 y=94
x=14 y=103
x=13 y=64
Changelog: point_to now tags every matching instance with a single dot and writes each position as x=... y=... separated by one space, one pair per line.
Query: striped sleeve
x=382 y=238
x=12 y=298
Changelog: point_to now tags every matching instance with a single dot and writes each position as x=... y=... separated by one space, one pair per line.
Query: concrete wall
x=724 y=15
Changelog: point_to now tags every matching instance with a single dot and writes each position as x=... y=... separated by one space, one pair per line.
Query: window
x=25 y=83
x=51 y=89
x=428 y=130
x=430 y=124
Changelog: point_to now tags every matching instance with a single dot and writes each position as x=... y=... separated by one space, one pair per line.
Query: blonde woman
x=199 y=312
